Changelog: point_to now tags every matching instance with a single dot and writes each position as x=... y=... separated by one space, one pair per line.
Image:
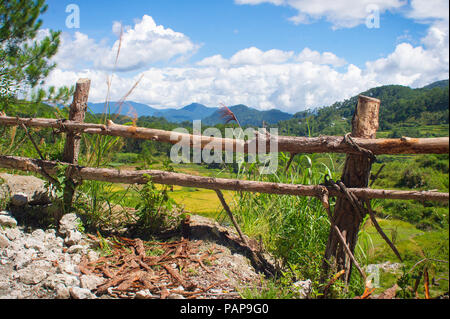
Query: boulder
x=29 y=187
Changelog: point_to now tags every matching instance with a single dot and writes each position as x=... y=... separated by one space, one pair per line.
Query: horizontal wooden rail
x=169 y=178
x=292 y=144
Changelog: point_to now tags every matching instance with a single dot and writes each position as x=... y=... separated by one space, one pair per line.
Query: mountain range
x=193 y=111
x=389 y=94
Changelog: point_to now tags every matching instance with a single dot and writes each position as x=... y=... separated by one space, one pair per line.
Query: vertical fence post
x=356 y=174
x=72 y=147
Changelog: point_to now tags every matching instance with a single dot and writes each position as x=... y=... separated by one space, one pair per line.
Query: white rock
x=7 y=221
x=62 y=292
x=68 y=268
x=32 y=275
x=76 y=258
x=91 y=282
x=19 y=199
x=92 y=255
x=303 y=288
x=50 y=231
x=74 y=249
x=143 y=294
x=55 y=280
x=13 y=233
x=38 y=234
x=23 y=258
x=68 y=222
x=73 y=238
x=50 y=255
x=81 y=293
x=4 y=242
x=34 y=244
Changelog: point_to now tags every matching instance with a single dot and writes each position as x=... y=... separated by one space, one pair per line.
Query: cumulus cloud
x=419 y=65
x=342 y=14
x=320 y=58
x=141 y=45
x=255 y=56
x=408 y=65
x=146 y=43
x=429 y=9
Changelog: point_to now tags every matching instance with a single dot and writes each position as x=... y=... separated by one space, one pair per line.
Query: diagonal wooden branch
x=230 y=214
x=257 y=257
x=325 y=202
x=289 y=162
x=43 y=171
x=380 y=230
x=374 y=178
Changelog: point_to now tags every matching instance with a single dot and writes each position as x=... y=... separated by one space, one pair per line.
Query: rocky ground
x=62 y=263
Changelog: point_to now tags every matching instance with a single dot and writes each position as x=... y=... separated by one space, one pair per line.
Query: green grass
x=416 y=131
x=414 y=245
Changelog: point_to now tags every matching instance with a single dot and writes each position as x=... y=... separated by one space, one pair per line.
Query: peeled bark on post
x=355 y=175
x=72 y=147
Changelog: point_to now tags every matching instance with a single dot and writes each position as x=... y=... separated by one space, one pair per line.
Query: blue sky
x=285 y=54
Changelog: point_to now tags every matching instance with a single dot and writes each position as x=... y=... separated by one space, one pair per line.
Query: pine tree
x=24 y=60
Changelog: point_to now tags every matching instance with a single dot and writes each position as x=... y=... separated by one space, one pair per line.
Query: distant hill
x=402 y=110
x=249 y=116
x=440 y=84
x=128 y=108
x=193 y=111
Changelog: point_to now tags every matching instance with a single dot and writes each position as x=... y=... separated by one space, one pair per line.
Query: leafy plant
x=155 y=210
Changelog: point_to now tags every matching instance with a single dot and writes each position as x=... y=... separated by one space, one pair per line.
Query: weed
x=155 y=209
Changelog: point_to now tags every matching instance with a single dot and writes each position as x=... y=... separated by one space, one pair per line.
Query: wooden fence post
x=72 y=147
x=356 y=174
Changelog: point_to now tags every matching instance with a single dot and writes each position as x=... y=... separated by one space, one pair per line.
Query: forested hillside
x=403 y=110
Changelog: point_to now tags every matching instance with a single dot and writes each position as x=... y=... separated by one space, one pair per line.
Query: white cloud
x=419 y=65
x=141 y=45
x=144 y=44
x=320 y=58
x=254 y=56
x=342 y=13
x=78 y=51
x=408 y=65
x=215 y=60
x=429 y=9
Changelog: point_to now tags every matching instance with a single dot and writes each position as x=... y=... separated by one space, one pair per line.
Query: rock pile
x=44 y=264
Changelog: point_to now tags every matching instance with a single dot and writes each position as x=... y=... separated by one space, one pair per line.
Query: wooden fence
x=352 y=191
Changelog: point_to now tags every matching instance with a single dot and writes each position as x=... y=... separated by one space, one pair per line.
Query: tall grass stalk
x=294 y=229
